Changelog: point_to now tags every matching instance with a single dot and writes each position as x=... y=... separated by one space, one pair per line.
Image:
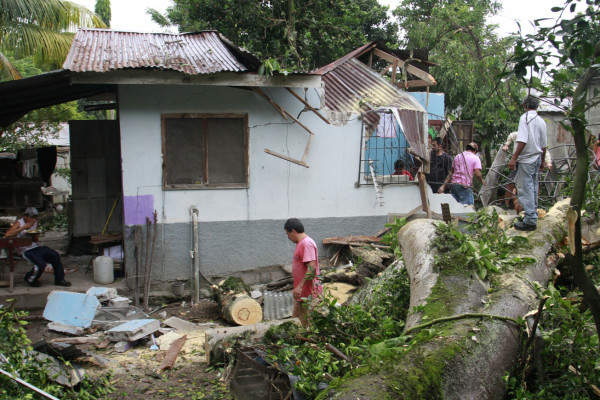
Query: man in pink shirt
x=465 y=166
x=305 y=268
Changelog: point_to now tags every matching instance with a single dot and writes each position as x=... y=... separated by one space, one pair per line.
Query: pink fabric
x=305 y=252
x=464 y=164
x=597 y=155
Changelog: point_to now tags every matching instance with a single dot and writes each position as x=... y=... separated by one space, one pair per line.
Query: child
x=399 y=169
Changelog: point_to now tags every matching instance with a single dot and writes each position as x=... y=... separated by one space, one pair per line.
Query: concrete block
x=133 y=330
x=64 y=328
x=119 y=301
x=103 y=293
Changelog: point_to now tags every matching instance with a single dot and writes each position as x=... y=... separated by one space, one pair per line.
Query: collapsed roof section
x=353 y=87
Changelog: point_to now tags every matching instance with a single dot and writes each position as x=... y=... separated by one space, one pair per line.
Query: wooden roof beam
x=409 y=68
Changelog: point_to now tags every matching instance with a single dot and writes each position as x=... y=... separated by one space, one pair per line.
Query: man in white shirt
x=530 y=155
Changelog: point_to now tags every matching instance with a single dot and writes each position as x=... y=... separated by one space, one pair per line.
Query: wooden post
x=423 y=190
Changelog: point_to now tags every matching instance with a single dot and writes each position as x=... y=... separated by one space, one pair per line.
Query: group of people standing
x=529 y=157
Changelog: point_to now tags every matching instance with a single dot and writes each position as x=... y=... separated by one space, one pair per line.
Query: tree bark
x=466 y=333
x=581 y=278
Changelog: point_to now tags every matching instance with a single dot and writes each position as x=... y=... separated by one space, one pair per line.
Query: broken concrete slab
x=133 y=330
x=103 y=293
x=69 y=308
x=64 y=328
x=181 y=325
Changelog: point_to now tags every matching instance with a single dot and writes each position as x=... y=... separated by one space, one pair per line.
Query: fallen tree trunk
x=473 y=338
x=220 y=341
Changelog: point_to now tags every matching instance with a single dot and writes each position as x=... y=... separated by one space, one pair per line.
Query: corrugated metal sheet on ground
x=102 y=50
x=278 y=305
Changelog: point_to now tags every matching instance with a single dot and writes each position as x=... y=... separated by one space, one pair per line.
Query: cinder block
x=133 y=330
x=119 y=301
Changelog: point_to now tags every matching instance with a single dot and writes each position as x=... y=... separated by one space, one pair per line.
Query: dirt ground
x=134 y=373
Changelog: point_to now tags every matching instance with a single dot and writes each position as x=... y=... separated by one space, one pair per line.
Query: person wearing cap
x=465 y=166
x=38 y=255
x=528 y=158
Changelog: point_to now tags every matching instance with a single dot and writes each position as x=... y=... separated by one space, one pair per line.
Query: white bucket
x=103 y=270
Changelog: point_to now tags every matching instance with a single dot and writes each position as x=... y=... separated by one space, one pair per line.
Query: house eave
x=154 y=77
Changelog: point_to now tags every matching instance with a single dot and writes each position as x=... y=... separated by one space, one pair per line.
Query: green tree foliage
x=40 y=28
x=15 y=358
x=102 y=10
x=297 y=34
x=574 y=44
x=470 y=57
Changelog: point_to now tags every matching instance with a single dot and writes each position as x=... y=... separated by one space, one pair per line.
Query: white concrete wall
x=277 y=188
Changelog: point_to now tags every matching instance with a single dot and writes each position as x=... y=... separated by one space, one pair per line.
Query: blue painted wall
x=434 y=104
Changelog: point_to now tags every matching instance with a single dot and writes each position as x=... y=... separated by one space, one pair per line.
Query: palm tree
x=41 y=28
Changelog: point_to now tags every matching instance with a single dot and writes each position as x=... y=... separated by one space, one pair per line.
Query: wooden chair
x=10 y=245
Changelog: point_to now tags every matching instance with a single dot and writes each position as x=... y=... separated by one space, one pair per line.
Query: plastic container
x=104 y=272
x=177 y=288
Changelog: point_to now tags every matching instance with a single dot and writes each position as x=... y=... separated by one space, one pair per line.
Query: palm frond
x=7 y=70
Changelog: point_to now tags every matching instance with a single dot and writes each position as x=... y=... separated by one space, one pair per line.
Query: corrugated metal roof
x=352 y=83
x=207 y=52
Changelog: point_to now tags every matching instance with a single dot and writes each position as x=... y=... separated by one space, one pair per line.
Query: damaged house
x=225 y=155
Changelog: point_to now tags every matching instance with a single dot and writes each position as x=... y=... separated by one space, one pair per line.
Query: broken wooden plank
x=172 y=354
x=276 y=106
x=424 y=197
x=273 y=153
x=76 y=340
x=308 y=105
x=409 y=68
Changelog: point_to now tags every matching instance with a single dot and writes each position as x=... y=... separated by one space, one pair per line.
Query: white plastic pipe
x=195 y=257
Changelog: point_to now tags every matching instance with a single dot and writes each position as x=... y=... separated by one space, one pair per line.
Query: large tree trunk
x=460 y=355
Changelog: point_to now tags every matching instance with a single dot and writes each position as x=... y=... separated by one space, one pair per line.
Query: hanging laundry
x=387 y=127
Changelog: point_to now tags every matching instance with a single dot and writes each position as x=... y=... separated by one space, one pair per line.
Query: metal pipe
x=30 y=386
x=195 y=257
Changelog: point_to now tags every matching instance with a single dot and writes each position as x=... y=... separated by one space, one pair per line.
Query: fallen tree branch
x=460 y=316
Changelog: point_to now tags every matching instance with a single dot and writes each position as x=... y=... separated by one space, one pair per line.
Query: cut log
x=220 y=341
x=235 y=302
x=241 y=309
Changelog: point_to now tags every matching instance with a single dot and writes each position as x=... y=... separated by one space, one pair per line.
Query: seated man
x=38 y=255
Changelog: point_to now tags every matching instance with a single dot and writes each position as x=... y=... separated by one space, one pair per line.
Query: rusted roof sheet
x=206 y=52
x=351 y=84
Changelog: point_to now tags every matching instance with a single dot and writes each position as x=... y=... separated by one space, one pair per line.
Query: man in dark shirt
x=440 y=166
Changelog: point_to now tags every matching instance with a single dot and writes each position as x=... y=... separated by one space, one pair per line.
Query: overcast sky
x=130 y=15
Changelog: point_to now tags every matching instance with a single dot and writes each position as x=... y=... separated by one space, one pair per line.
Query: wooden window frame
x=204 y=117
